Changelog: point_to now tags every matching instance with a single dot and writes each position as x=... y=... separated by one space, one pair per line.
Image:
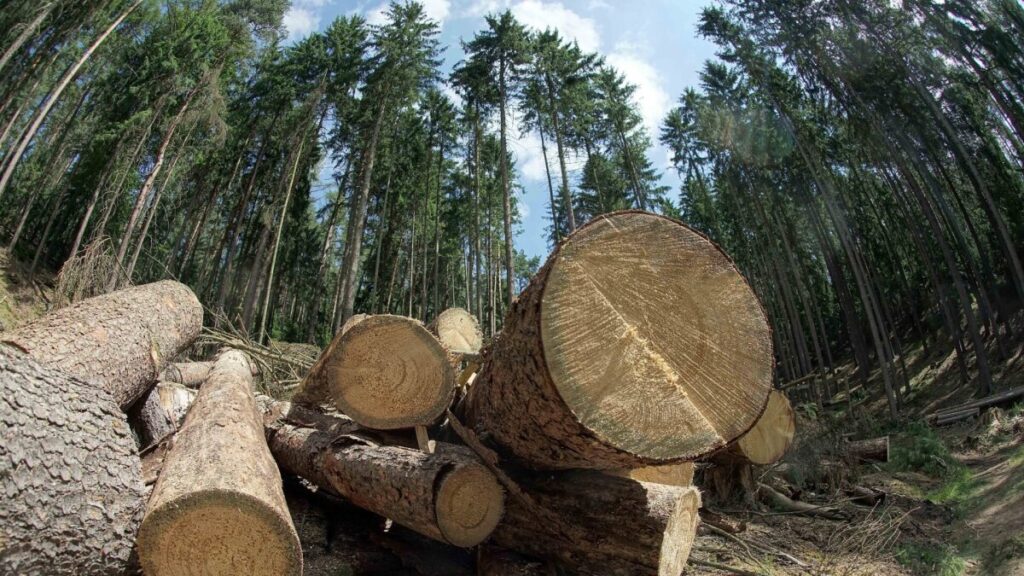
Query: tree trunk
x=384 y=372
x=218 y=505
x=26 y=33
x=55 y=94
x=69 y=472
x=448 y=495
x=566 y=194
x=605 y=525
x=551 y=187
x=189 y=374
x=119 y=341
x=638 y=360
x=505 y=186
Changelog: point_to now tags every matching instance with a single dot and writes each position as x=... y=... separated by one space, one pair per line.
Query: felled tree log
x=218 y=506
x=71 y=494
x=121 y=341
x=459 y=331
x=638 y=343
x=385 y=372
x=607 y=525
x=448 y=495
x=190 y=374
x=867 y=451
x=782 y=502
x=161 y=411
x=730 y=476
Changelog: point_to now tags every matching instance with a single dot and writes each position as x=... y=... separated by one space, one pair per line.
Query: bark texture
x=494 y=561
x=71 y=493
x=120 y=341
x=611 y=526
x=161 y=411
x=385 y=372
x=448 y=495
x=218 y=505
x=638 y=343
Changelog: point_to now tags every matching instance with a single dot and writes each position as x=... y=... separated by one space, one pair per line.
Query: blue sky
x=652 y=42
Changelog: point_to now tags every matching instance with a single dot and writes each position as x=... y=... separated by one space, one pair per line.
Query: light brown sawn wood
x=120 y=341
x=71 y=493
x=218 y=506
x=447 y=495
x=680 y=474
x=190 y=374
x=459 y=331
x=637 y=343
x=385 y=372
x=767 y=442
x=161 y=411
x=614 y=526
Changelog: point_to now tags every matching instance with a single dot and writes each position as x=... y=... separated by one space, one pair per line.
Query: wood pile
x=568 y=441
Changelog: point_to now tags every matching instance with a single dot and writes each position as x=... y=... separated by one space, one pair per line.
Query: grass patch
x=1001 y=553
x=919 y=449
x=936 y=560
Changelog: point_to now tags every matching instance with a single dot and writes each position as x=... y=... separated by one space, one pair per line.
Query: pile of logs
x=569 y=440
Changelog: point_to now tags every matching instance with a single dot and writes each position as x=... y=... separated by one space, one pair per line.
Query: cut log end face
x=767 y=442
x=391 y=373
x=232 y=533
x=469 y=504
x=679 y=533
x=459 y=331
x=653 y=339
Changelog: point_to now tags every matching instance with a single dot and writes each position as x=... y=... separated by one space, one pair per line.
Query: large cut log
x=71 y=494
x=637 y=343
x=121 y=341
x=459 y=331
x=447 y=495
x=160 y=411
x=218 y=506
x=867 y=451
x=385 y=372
x=190 y=374
x=606 y=525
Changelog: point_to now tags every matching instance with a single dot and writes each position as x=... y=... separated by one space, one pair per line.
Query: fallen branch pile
x=635 y=350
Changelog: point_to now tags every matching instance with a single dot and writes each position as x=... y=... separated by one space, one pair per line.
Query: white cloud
x=541 y=15
x=437 y=10
x=651 y=97
x=300 y=21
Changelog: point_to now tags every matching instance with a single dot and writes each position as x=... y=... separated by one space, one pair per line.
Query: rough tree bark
x=218 y=506
x=119 y=341
x=448 y=495
x=384 y=372
x=69 y=474
x=638 y=343
x=160 y=411
x=610 y=526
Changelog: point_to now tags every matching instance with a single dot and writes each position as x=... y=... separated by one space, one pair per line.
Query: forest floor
x=954 y=495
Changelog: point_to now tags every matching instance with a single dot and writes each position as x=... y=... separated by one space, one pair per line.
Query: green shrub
x=936 y=560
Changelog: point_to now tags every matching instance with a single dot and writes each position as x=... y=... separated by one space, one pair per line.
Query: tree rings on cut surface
x=459 y=331
x=469 y=505
x=638 y=343
x=389 y=372
x=767 y=442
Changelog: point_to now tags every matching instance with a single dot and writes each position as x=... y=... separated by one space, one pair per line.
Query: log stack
x=636 y=349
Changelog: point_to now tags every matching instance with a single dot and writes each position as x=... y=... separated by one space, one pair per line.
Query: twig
x=723 y=567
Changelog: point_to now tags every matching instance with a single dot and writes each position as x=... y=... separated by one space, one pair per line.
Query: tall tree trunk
x=505 y=185
x=26 y=33
x=566 y=194
x=551 y=187
x=55 y=94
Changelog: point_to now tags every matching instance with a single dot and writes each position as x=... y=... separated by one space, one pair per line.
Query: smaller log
x=865 y=496
x=671 y=474
x=868 y=451
x=767 y=442
x=161 y=411
x=385 y=372
x=119 y=341
x=723 y=523
x=609 y=525
x=459 y=331
x=190 y=374
x=218 y=505
x=1003 y=397
x=952 y=417
x=446 y=495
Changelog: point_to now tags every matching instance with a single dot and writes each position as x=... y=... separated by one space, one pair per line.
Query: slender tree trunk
x=55 y=94
x=551 y=187
x=505 y=185
x=437 y=223
x=26 y=33
x=555 y=126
